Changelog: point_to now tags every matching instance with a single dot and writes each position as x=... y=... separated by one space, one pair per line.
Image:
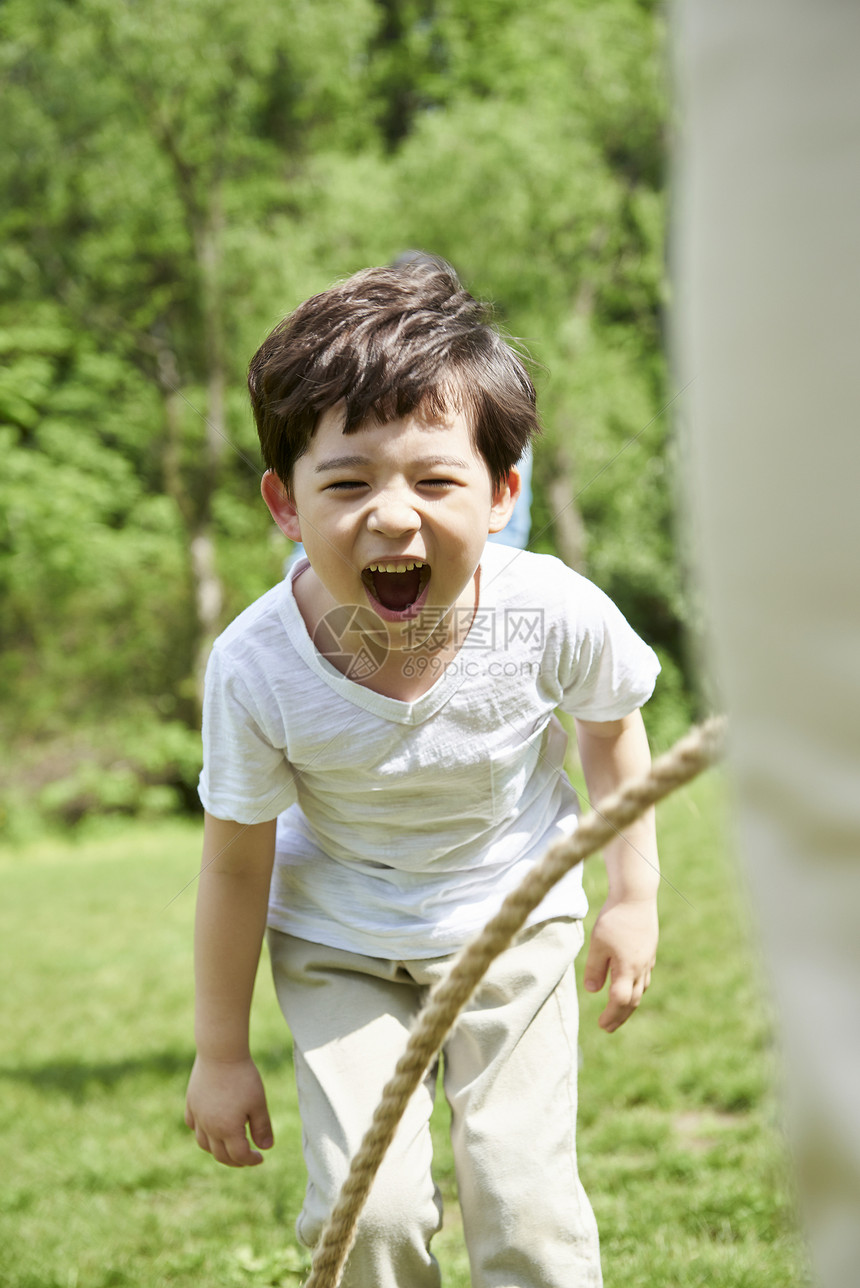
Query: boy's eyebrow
x=355 y=462
x=341 y=463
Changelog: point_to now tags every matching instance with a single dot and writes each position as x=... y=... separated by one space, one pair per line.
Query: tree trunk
x=571 y=538
x=568 y=528
x=193 y=494
x=209 y=601
x=208 y=588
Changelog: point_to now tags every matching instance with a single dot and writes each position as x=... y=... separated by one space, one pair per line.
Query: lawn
x=102 y=1185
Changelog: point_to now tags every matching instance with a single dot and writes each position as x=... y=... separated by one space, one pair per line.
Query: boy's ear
x=504 y=500
x=281 y=505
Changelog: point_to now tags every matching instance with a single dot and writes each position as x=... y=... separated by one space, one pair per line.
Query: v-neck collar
x=387 y=708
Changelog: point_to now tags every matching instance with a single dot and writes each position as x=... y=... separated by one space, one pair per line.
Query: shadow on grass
x=79 y=1080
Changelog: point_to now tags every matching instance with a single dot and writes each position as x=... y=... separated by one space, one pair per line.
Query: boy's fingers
x=614 y=1016
x=624 y=997
x=239 y=1151
x=620 y=1004
x=596 y=966
x=221 y=1154
x=261 y=1130
x=240 y=1154
x=234 y=1151
x=641 y=985
x=202 y=1139
x=622 y=989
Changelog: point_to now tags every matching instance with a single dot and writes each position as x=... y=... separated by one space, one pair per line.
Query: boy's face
x=393 y=516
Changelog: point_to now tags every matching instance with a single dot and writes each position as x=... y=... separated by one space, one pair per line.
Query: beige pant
x=510 y=1077
x=769 y=274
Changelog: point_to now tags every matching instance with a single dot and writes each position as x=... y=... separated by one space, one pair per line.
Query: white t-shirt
x=403 y=825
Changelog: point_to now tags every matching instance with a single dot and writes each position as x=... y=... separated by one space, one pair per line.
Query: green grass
x=680 y=1147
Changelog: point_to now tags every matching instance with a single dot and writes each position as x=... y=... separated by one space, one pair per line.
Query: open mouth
x=397 y=588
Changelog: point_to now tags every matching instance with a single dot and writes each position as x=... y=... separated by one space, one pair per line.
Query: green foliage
x=177 y=177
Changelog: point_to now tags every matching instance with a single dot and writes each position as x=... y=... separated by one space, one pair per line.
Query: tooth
x=408 y=565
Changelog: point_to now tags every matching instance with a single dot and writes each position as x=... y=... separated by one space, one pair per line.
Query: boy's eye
x=353 y=485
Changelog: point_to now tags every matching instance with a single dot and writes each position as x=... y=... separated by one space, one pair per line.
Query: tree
x=177 y=177
x=170 y=133
x=537 y=168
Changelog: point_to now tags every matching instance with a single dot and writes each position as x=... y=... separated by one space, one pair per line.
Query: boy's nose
x=393 y=515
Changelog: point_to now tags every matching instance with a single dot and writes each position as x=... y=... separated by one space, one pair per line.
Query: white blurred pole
x=767 y=268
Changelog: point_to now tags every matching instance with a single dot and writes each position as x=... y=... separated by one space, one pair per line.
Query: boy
x=383 y=764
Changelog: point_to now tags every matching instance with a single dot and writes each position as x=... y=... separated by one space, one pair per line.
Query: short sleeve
x=246 y=776
x=610 y=670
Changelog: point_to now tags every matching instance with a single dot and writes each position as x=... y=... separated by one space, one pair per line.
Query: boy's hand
x=623 y=943
x=222 y=1097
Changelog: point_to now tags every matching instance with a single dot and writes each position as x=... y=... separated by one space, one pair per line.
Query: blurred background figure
x=768 y=269
x=516 y=532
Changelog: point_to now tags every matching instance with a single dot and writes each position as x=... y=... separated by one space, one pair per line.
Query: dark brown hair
x=388 y=342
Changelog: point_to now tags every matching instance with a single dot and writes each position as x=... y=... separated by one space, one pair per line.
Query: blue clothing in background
x=516 y=533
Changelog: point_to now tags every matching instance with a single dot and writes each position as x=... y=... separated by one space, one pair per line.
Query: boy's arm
x=624 y=938
x=225 y=1091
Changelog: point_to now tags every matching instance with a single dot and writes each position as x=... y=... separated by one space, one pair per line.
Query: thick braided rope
x=693 y=753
